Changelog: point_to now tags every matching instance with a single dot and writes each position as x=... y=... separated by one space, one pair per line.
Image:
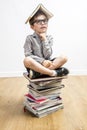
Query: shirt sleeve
x=47 y=47
x=29 y=52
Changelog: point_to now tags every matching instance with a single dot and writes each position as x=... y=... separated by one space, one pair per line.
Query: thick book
x=51 y=110
x=47 y=105
x=45 y=94
x=43 y=112
x=36 y=100
x=54 y=100
x=43 y=9
x=52 y=84
x=45 y=79
x=45 y=90
x=47 y=83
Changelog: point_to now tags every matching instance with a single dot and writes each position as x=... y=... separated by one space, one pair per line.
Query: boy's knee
x=27 y=61
x=64 y=58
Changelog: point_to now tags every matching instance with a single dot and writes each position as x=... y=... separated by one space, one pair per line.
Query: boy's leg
x=58 y=62
x=32 y=64
x=37 y=67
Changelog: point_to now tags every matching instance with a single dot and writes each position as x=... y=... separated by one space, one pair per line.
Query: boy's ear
x=32 y=26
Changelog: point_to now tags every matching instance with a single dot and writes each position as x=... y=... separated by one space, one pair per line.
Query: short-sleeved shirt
x=37 y=49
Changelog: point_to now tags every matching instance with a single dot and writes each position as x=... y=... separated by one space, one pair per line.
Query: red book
x=40 y=100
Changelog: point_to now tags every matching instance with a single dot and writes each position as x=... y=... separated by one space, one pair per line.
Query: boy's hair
x=39 y=12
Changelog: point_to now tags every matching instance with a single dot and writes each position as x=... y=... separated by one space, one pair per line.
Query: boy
x=38 y=47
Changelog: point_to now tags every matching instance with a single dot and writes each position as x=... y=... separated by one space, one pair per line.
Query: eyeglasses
x=41 y=21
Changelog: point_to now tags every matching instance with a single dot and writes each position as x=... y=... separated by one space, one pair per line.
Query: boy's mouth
x=43 y=27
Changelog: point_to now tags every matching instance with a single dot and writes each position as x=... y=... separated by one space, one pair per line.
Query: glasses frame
x=39 y=21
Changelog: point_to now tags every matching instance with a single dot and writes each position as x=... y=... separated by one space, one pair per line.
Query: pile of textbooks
x=44 y=97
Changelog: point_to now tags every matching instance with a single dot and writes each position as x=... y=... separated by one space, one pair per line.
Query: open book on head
x=43 y=9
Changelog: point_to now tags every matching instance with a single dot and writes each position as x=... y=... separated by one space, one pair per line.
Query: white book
x=40 y=7
x=43 y=112
x=50 y=109
x=45 y=94
x=29 y=108
x=38 y=107
x=46 y=84
x=47 y=105
x=44 y=90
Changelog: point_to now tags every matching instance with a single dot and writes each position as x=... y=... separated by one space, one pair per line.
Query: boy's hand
x=47 y=63
x=43 y=36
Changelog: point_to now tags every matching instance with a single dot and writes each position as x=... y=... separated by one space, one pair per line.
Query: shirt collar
x=35 y=35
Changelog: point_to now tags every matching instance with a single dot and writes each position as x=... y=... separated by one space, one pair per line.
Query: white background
x=68 y=27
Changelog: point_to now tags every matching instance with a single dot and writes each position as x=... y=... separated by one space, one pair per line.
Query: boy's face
x=40 y=24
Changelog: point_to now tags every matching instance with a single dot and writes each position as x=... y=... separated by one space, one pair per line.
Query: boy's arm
x=47 y=46
x=28 y=51
x=47 y=42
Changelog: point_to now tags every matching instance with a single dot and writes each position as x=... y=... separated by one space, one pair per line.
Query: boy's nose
x=42 y=22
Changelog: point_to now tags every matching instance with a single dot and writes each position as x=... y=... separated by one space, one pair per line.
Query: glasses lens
x=41 y=21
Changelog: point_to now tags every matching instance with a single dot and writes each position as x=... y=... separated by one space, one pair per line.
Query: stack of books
x=44 y=97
